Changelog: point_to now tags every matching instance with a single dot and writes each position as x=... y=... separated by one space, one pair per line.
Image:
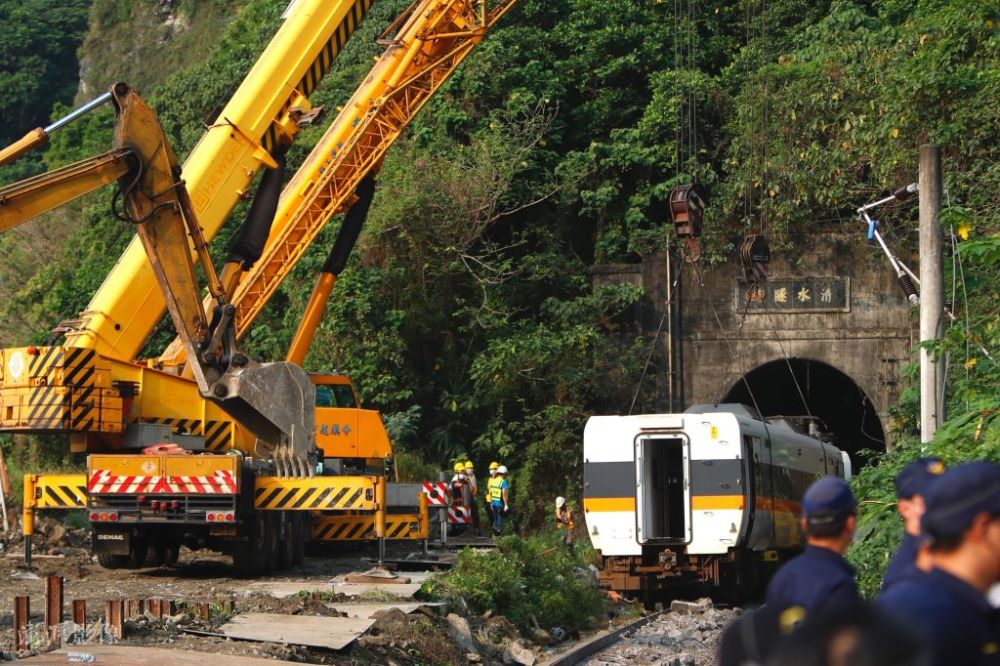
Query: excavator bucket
x=277 y=403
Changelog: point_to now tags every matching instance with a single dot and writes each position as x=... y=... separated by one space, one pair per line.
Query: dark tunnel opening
x=829 y=394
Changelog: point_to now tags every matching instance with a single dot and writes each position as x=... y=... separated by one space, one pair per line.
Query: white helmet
x=502 y=469
x=560 y=502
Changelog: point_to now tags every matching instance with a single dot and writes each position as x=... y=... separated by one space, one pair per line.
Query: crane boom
x=424 y=46
x=262 y=114
x=435 y=39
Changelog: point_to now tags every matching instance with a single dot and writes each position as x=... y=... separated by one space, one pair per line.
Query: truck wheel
x=271 y=527
x=286 y=541
x=138 y=550
x=300 y=534
x=250 y=557
x=109 y=561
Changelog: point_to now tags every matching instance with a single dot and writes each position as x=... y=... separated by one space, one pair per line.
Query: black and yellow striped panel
x=84 y=409
x=318 y=493
x=218 y=434
x=61 y=491
x=355 y=528
x=48 y=407
x=402 y=527
x=324 y=60
x=44 y=363
x=78 y=367
x=344 y=528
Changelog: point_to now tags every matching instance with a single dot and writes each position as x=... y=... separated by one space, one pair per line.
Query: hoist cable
x=652 y=345
x=729 y=344
x=788 y=363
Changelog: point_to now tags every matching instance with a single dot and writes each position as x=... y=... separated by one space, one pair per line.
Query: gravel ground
x=204 y=576
x=688 y=635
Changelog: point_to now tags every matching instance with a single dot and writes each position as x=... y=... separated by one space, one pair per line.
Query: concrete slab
x=404 y=591
x=333 y=633
x=127 y=655
x=287 y=588
x=401 y=590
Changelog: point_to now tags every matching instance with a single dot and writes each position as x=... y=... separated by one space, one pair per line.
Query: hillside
x=467 y=313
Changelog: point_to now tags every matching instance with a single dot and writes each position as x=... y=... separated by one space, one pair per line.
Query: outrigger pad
x=277 y=403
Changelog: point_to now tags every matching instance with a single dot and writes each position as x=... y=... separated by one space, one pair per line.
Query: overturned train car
x=707 y=498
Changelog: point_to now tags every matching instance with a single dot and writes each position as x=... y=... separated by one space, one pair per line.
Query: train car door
x=663 y=489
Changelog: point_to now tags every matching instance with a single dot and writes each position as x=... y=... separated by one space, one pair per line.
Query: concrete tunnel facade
x=830 y=315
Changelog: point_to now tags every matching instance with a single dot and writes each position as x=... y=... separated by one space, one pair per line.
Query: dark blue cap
x=827 y=500
x=958 y=496
x=917 y=477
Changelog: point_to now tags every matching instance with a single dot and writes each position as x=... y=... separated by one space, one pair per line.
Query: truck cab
x=347 y=434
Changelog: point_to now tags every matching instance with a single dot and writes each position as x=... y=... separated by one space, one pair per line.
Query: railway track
x=687 y=633
x=588 y=647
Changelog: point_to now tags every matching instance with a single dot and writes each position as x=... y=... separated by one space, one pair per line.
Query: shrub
x=533 y=581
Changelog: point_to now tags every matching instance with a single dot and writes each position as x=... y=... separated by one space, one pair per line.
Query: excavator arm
x=274 y=401
x=33 y=196
x=29 y=198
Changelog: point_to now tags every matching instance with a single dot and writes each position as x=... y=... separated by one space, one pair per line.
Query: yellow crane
x=204 y=393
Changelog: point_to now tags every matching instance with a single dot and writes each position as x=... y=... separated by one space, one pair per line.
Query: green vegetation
x=143 y=42
x=533 y=582
x=38 y=67
x=467 y=313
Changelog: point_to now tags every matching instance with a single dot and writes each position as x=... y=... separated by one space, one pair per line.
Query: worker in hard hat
x=461 y=493
x=458 y=482
x=564 y=520
x=488 y=496
x=470 y=478
x=500 y=498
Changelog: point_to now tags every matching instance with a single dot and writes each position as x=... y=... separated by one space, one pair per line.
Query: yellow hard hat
x=459 y=467
x=494 y=465
x=469 y=465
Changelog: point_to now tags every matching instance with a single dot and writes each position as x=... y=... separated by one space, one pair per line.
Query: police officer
x=948 y=605
x=911 y=486
x=820 y=579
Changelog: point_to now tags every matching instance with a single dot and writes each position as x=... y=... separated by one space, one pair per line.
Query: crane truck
x=279 y=456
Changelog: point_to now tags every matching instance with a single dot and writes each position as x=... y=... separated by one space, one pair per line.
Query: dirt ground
x=202 y=576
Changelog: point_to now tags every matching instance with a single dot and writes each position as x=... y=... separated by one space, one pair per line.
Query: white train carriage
x=711 y=496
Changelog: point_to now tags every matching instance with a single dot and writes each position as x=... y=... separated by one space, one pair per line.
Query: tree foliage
x=467 y=313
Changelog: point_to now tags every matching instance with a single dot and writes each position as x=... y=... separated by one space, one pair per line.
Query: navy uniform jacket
x=817 y=580
x=904 y=562
x=955 y=618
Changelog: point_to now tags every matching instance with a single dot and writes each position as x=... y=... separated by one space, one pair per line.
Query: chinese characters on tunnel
x=802 y=294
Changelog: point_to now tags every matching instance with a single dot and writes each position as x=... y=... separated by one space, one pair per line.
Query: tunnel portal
x=822 y=391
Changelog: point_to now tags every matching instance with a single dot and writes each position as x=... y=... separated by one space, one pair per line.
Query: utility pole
x=931 y=290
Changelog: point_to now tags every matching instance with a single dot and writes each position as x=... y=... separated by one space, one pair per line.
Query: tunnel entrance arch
x=829 y=394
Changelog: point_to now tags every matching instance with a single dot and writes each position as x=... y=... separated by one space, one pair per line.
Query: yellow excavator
x=273 y=456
